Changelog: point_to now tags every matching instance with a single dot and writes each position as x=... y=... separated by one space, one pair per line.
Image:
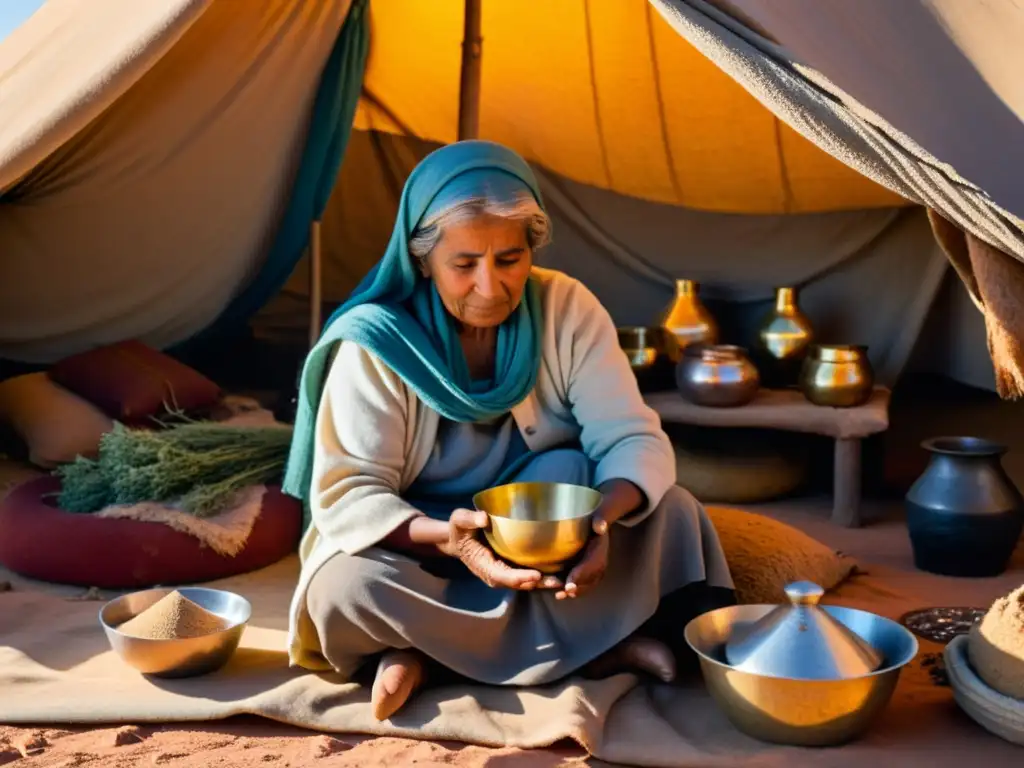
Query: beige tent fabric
x=143 y=223
x=70 y=61
x=67 y=674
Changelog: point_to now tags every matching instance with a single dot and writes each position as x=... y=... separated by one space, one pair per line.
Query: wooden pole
x=315 y=284
x=469 y=79
x=847 y=479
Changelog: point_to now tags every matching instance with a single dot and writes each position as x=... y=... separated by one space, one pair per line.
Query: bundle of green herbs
x=199 y=466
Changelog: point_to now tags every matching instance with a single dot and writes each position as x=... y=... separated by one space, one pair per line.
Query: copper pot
x=688 y=321
x=717 y=375
x=837 y=375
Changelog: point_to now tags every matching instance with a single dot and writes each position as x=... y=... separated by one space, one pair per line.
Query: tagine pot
x=964 y=514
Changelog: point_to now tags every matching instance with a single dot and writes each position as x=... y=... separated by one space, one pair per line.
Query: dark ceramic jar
x=964 y=514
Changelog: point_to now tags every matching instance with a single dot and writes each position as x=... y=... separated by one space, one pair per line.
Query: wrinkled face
x=480 y=268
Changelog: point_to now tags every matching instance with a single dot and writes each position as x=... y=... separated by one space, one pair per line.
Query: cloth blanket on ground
x=55 y=667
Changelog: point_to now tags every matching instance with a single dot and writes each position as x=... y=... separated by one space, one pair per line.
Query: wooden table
x=788 y=409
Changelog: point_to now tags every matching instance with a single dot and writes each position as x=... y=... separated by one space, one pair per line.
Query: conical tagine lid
x=801 y=641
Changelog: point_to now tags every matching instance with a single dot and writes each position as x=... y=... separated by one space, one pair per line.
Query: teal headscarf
x=397 y=314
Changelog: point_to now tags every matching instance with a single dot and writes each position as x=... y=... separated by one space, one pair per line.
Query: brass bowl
x=810 y=713
x=839 y=376
x=538 y=525
x=717 y=375
x=642 y=346
x=188 y=656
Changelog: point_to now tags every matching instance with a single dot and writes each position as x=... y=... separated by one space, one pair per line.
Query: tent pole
x=315 y=285
x=469 y=79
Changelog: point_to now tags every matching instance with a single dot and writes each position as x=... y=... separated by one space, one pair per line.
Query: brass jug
x=785 y=336
x=688 y=321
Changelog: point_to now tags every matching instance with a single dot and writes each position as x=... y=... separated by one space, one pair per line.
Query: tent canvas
x=152 y=154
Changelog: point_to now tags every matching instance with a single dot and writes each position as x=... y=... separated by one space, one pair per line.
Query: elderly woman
x=458 y=365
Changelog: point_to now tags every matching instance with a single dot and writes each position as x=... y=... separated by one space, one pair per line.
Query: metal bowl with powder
x=176 y=632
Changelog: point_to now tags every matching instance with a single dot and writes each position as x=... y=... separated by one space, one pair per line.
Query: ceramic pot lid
x=801 y=641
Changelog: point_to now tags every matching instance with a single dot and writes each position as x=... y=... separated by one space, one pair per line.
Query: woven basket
x=990 y=709
x=738 y=466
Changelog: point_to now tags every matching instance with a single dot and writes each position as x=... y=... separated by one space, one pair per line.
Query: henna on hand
x=464 y=543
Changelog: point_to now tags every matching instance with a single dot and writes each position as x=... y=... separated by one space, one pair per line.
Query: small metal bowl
x=717 y=375
x=538 y=525
x=641 y=346
x=837 y=375
x=187 y=657
x=800 y=712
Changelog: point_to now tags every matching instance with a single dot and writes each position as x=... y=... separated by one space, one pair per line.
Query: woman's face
x=480 y=268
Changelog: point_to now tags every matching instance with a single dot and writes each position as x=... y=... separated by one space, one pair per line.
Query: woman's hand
x=464 y=544
x=620 y=497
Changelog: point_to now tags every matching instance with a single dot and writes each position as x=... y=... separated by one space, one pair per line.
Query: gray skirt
x=376 y=600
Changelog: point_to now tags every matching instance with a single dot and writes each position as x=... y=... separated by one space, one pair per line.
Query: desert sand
x=249 y=742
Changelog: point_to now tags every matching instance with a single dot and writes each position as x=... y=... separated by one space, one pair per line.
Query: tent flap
x=330 y=126
x=863 y=138
x=151 y=219
x=875 y=149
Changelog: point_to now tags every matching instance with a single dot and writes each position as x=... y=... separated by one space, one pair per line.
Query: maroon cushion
x=42 y=542
x=131 y=382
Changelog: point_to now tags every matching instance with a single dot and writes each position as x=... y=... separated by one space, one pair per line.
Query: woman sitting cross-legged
x=458 y=365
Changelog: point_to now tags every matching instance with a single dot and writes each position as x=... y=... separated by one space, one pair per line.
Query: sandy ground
x=248 y=742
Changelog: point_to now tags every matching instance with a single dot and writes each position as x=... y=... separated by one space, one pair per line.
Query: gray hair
x=523 y=208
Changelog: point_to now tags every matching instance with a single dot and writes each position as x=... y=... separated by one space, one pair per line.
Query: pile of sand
x=173 y=617
x=996 y=645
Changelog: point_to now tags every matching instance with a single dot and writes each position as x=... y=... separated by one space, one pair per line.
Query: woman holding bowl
x=455 y=366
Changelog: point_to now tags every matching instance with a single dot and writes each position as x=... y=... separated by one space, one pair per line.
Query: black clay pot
x=964 y=514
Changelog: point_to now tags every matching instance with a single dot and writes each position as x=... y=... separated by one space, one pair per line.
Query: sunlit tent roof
x=606 y=94
x=161 y=162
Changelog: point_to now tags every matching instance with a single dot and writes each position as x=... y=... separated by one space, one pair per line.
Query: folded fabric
x=995 y=282
x=225 y=533
x=55 y=424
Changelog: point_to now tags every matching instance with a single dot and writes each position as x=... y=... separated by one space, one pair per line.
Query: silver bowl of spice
x=176 y=632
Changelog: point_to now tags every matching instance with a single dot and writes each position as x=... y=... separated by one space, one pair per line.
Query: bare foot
x=399 y=674
x=636 y=653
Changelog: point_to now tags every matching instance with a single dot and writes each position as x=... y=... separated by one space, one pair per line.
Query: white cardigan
x=374 y=436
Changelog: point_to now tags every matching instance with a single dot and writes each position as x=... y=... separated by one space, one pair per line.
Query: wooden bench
x=789 y=410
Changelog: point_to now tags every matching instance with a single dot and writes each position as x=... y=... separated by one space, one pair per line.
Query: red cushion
x=42 y=542
x=131 y=382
